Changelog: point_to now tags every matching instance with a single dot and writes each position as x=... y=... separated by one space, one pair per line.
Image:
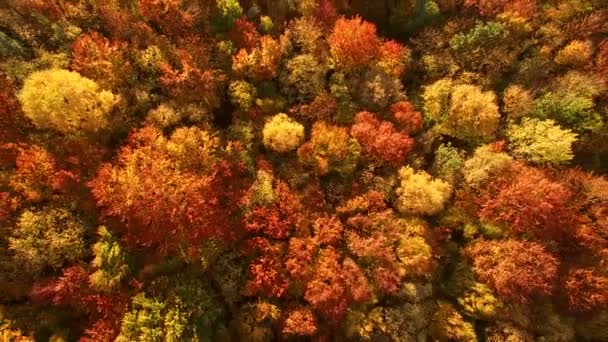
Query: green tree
x=109 y=262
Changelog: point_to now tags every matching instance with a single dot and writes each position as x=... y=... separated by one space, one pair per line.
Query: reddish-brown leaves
x=267 y=276
x=530 y=202
x=244 y=34
x=36 y=175
x=380 y=139
x=95 y=57
x=587 y=290
x=327 y=292
x=168 y=16
x=406 y=115
x=190 y=83
x=300 y=322
x=517 y=270
x=279 y=219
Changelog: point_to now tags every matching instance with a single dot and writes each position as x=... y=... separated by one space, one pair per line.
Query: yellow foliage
x=65 y=101
x=576 y=53
x=419 y=194
x=330 y=148
x=282 y=134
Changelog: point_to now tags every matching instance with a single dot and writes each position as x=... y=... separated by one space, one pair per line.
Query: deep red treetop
x=244 y=34
x=380 y=139
x=587 y=290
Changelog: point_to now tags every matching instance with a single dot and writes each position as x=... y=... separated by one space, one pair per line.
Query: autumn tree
x=143 y=187
x=330 y=149
x=547 y=214
x=353 y=43
x=282 y=134
x=517 y=270
x=462 y=111
x=65 y=101
x=419 y=194
x=50 y=237
x=380 y=140
x=109 y=262
x=542 y=141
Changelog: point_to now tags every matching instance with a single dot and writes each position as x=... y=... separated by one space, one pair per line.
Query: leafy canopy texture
x=420 y=194
x=65 y=101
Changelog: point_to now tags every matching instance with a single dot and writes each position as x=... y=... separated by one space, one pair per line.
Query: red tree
x=531 y=202
x=380 y=139
x=168 y=15
x=244 y=34
x=189 y=83
x=267 y=275
x=406 y=115
x=162 y=207
x=95 y=57
x=517 y=270
x=587 y=290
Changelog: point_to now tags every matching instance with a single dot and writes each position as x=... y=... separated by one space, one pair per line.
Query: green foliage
x=448 y=163
x=109 y=262
x=50 y=237
x=482 y=34
x=304 y=78
x=266 y=24
x=229 y=10
x=541 y=141
x=65 y=101
x=144 y=322
x=576 y=112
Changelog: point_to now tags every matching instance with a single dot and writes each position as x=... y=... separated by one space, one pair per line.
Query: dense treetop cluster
x=306 y=170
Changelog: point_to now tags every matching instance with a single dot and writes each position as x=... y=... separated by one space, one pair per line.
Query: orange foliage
x=587 y=290
x=190 y=83
x=327 y=292
x=280 y=218
x=530 y=202
x=517 y=270
x=37 y=176
x=267 y=276
x=353 y=42
x=161 y=207
x=95 y=57
x=300 y=322
x=406 y=115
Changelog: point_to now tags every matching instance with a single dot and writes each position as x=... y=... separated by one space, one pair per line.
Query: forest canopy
x=303 y=170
